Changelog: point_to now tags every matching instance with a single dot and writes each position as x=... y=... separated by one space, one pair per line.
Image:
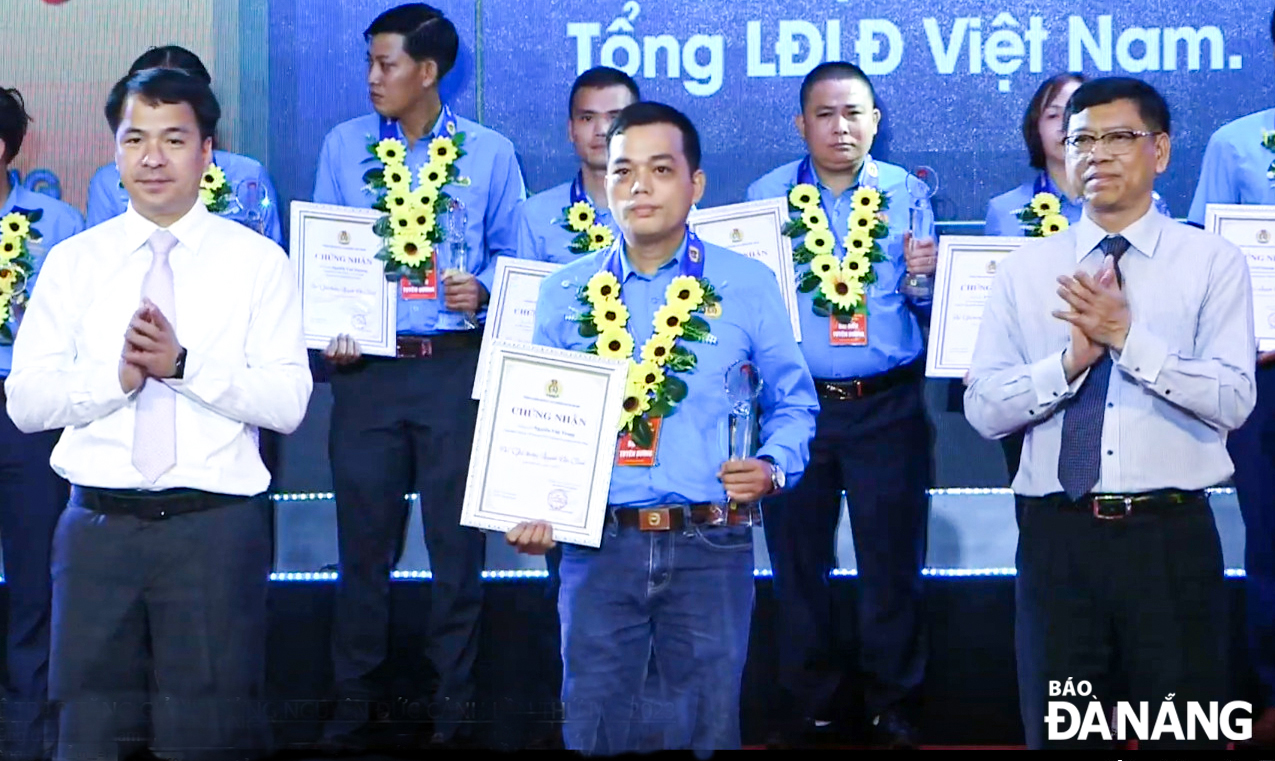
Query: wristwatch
x=179 y=365
x=777 y=477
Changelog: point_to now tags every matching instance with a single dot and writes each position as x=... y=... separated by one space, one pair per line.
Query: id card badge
x=629 y=454
x=853 y=333
x=428 y=290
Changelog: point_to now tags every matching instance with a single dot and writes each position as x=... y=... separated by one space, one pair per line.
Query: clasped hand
x=1099 y=316
x=150 y=348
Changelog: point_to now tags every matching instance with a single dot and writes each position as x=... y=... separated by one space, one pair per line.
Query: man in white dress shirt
x=1124 y=346
x=162 y=340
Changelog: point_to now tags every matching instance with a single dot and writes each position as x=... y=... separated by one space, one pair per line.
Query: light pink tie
x=155 y=432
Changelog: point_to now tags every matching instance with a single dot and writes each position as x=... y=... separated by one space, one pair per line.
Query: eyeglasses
x=1117 y=143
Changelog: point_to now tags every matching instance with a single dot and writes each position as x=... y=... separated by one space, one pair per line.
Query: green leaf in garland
x=803 y=255
x=35 y=215
x=382 y=227
x=374 y=177
x=682 y=360
x=661 y=407
x=641 y=432
x=822 y=306
x=674 y=388
x=809 y=282
x=587 y=328
x=458 y=139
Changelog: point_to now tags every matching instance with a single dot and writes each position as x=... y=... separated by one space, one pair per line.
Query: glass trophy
x=457 y=251
x=253 y=200
x=743 y=388
x=922 y=185
x=18 y=299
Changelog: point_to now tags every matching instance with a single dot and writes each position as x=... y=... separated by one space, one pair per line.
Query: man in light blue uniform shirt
x=873 y=440
x=31 y=494
x=544 y=233
x=1239 y=169
x=405 y=424
x=675 y=568
x=254 y=203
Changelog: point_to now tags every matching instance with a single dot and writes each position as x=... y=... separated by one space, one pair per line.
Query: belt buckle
x=414 y=347
x=1114 y=510
x=654 y=519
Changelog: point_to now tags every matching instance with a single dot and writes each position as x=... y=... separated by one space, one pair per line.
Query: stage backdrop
x=953 y=78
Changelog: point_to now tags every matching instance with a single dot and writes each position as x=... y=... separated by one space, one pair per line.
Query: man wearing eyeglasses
x=1237 y=169
x=1124 y=348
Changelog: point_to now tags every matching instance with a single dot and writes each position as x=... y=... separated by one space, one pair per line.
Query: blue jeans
x=687 y=595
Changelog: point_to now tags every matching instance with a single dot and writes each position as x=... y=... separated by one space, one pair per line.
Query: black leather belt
x=418 y=347
x=150 y=505
x=677 y=517
x=1117 y=506
x=849 y=389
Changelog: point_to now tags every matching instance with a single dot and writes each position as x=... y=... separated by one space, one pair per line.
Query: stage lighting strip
x=952 y=492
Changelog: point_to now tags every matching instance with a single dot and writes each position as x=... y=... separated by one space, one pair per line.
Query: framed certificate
x=1252 y=228
x=511 y=308
x=754 y=229
x=545 y=441
x=966 y=268
x=342 y=283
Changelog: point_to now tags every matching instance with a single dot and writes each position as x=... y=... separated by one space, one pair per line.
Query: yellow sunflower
x=657 y=349
x=636 y=401
x=433 y=175
x=422 y=218
x=867 y=199
x=580 y=216
x=1045 y=204
x=213 y=178
x=615 y=343
x=403 y=223
x=855 y=265
x=804 y=196
x=814 y=218
x=398 y=179
x=4 y=311
x=391 y=151
x=862 y=221
x=8 y=277
x=670 y=320
x=15 y=225
x=600 y=237
x=648 y=374
x=412 y=251
x=824 y=264
x=1053 y=224
x=207 y=197
x=842 y=291
x=685 y=292
x=442 y=151
x=858 y=243
x=396 y=201
x=424 y=196
x=819 y=242
x=602 y=287
x=610 y=315
x=10 y=248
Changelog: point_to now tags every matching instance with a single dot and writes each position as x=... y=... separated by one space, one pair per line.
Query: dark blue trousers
x=31 y=499
x=876 y=449
x=1252 y=449
x=399 y=426
x=186 y=594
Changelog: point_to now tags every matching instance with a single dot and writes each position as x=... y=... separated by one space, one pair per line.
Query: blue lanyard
x=806 y=176
x=577 y=190
x=692 y=263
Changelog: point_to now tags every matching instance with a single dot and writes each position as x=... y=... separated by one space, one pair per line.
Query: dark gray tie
x=1080 y=453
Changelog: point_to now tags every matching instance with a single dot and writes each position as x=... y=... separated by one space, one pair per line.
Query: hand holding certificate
x=545 y=442
x=342 y=283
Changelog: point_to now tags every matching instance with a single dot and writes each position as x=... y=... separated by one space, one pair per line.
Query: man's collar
x=627 y=269
x=189 y=230
x=858 y=178
x=1142 y=235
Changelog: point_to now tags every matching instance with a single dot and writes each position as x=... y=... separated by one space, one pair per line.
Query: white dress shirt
x=238 y=316
x=1184 y=379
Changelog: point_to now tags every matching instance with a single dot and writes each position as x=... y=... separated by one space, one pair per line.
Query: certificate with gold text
x=544 y=444
x=966 y=268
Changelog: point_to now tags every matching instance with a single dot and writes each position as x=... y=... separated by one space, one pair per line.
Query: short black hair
x=1031 y=119
x=13 y=122
x=600 y=77
x=1098 y=92
x=172 y=57
x=834 y=70
x=155 y=86
x=647 y=112
x=427 y=33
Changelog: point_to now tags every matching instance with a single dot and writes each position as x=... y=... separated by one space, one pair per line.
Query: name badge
x=853 y=333
x=428 y=290
x=628 y=454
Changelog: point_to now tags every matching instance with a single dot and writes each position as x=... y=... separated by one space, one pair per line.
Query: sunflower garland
x=1268 y=142
x=16 y=263
x=653 y=389
x=1043 y=216
x=409 y=228
x=581 y=218
x=841 y=283
x=214 y=191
